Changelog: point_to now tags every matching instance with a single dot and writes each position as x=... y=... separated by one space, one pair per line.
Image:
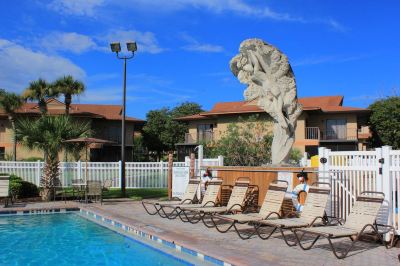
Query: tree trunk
x=67 y=101
x=12 y=121
x=50 y=176
x=42 y=106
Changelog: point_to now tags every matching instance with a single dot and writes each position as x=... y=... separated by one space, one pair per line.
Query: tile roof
x=322 y=103
x=55 y=107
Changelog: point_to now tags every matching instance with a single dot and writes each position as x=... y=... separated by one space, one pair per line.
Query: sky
x=349 y=48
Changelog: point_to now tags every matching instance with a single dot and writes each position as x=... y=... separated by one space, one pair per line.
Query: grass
x=132 y=193
x=137 y=193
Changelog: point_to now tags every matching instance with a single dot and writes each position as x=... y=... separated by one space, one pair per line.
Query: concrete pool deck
x=227 y=247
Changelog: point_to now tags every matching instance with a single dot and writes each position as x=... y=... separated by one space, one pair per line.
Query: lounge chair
x=236 y=203
x=313 y=210
x=210 y=199
x=4 y=189
x=271 y=207
x=362 y=217
x=188 y=197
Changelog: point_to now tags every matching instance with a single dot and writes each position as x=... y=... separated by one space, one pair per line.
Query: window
x=2 y=153
x=204 y=132
x=336 y=129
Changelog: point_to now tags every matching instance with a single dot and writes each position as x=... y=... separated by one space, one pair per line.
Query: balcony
x=314 y=133
x=200 y=137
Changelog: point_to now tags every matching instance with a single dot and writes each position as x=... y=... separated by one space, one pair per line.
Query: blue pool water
x=67 y=239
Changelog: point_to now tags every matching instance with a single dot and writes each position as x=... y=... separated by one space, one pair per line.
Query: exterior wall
x=111 y=130
x=101 y=130
x=224 y=121
x=306 y=119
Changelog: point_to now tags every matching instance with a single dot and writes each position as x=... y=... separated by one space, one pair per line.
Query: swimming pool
x=68 y=239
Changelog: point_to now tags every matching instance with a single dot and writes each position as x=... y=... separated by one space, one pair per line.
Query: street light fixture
x=116 y=48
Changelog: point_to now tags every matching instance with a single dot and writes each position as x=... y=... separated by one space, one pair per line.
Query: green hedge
x=21 y=189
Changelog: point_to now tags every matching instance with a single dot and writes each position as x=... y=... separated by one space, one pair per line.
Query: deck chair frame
x=210 y=199
x=350 y=234
x=188 y=198
x=301 y=222
x=274 y=190
x=199 y=214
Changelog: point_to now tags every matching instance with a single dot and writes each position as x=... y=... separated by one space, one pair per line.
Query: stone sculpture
x=270 y=85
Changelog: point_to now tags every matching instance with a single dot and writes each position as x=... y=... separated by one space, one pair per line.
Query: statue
x=270 y=85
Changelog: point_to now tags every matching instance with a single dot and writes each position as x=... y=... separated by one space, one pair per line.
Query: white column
x=38 y=172
x=220 y=160
x=388 y=206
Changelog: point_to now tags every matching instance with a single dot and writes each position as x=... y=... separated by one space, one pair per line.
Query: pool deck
x=227 y=247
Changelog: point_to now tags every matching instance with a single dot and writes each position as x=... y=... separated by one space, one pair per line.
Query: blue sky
x=348 y=48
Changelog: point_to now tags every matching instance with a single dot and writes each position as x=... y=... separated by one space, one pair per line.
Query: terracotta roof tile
x=322 y=103
x=55 y=107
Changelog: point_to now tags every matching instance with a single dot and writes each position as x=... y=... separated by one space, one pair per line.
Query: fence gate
x=352 y=172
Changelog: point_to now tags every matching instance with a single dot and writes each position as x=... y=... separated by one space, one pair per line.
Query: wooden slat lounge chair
x=313 y=211
x=188 y=197
x=4 y=189
x=235 y=203
x=270 y=208
x=210 y=199
x=361 y=218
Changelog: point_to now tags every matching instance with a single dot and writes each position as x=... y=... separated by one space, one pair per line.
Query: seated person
x=302 y=177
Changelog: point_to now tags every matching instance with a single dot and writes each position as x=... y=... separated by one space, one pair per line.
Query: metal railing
x=312 y=133
x=200 y=137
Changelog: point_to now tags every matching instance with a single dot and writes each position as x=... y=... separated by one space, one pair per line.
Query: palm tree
x=48 y=134
x=10 y=102
x=68 y=86
x=39 y=90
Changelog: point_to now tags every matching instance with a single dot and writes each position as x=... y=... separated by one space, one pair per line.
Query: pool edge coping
x=154 y=237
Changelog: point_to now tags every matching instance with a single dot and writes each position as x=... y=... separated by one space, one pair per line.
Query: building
x=325 y=122
x=105 y=121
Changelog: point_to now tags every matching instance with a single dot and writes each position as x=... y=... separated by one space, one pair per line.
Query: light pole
x=116 y=48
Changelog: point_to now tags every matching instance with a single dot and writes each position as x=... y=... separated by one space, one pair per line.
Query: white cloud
x=67 y=41
x=20 y=65
x=194 y=45
x=76 y=7
x=239 y=7
x=146 y=41
x=316 y=60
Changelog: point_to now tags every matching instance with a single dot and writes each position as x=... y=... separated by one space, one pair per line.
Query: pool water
x=68 y=239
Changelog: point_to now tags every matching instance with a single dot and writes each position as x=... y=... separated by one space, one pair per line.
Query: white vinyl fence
x=352 y=172
x=138 y=174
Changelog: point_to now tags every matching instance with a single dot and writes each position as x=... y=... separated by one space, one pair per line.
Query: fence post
x=192 y=165
x=387 y=185
x=187 y=161
x=120 y=173
x=220 y=160
x=79 y=170
x=161 y=174
x=38 y=173
x=170 y=165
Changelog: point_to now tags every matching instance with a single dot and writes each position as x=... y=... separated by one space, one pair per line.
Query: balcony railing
x=205 y=136
x=202 y=136
x=312 y=133
x=317 y=134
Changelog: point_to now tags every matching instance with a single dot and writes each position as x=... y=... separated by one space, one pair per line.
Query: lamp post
x=116 y=48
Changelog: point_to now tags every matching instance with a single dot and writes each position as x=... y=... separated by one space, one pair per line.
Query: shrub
x=32 y=159
x=21 y=189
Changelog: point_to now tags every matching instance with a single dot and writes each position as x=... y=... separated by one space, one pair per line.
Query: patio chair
x=313 y=210
x=235 y=204
x=271 y=207
x=188 y=198
x=59 y=190
x=362 y=217
x=94 y=190
x=107 y=184
x=4 y=189
x=78 y=187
